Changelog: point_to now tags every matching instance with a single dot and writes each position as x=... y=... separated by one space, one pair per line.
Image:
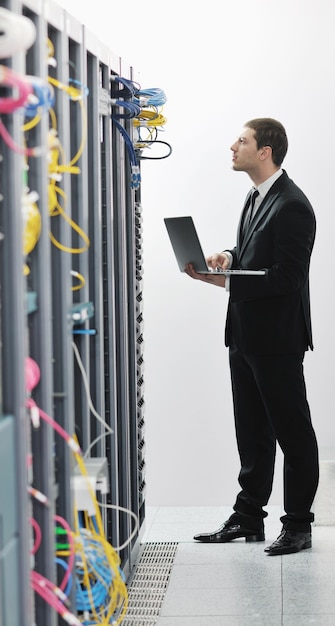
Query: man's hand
x=217 y=260
x=214 y=279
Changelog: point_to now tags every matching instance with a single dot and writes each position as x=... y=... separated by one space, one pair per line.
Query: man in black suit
x=268 y=330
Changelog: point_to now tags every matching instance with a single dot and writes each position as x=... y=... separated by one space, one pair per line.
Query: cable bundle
x=17 y=32
x=134 y=166
x=127 y=90
x=9 y=78
x=150 y=118
x=32 y=223
x=10 y=104
x=58 y=166
x=101 y=592
x=41 y=99
x=144 y=107
x=132 y=109
x=150 y=97
x=99 y=582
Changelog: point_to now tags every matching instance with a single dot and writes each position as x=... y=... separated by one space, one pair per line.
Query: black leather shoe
x=229 y=531
x=289 y=541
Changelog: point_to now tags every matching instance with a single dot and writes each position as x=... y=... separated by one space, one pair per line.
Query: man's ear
x=265 y=153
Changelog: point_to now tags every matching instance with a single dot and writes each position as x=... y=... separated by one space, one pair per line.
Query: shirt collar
x=263 y=188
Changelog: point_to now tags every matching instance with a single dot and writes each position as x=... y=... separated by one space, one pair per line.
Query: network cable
x=97 y=551
x=41 y=99
x=150 y=97
x=32 y=221
x=10 y=104
x=132 y=109
x=9 y=78
x=88 y=395
x=128 y=89
x=17 y=32
x=140 y=146
x=150 y=117
x=135 y=170
x=101 y=590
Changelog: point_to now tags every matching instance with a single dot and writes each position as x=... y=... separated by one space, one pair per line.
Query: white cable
x=117 y=507
x=17 y=32
x=86 y=385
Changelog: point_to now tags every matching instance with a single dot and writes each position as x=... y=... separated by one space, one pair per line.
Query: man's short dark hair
x=270 y=132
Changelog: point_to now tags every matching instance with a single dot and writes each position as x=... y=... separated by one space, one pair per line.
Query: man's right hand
x=218 y=260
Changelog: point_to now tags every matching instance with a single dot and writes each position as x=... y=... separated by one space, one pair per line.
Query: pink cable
x=8 y=139
x=32 y=372
x=45 y=588
x=30 y=403
x=46 y=583
x=38 y=535
x=10 y=78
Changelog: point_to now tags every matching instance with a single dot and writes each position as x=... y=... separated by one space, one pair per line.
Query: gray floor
x=237 y=584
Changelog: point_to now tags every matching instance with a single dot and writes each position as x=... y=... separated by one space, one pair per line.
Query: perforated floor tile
x=148 y=584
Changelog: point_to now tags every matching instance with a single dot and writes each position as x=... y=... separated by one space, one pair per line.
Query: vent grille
x=148 y=584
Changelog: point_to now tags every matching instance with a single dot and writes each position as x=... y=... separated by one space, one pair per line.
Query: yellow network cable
x=32 y=223
x=56 y=209
x=149 y=118
x=75 y=95
x=118 y=591
x=82 y=281
x=32 y=123
x=51 y=51
x=57 y=168
x=142 y=143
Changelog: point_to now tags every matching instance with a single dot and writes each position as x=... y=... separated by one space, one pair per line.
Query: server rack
x=95 y=330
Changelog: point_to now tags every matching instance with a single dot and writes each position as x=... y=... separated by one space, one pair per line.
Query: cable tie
x=38 y=495
x=74 y=445
x=18 y=32
x=56 y=177
x=33 y=100
x=71 y=619
x=60 y=594
x=143 y=101
x=35 y=416
x=38 y=151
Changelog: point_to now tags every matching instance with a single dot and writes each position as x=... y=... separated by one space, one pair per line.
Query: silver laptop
x=187 y=248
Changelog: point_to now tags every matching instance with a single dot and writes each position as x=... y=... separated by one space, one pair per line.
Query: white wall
x=220 y=64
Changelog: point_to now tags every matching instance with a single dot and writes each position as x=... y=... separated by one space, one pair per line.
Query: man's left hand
x=219 y=280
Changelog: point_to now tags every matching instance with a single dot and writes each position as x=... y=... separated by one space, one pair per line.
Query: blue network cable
x=64 y=565
x=44 y=97
x=150 y=97
x=128 y=87
x=135 y=170
x=100 y=577
x=133 y=109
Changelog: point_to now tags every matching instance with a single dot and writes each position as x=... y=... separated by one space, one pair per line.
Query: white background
x=220 y=64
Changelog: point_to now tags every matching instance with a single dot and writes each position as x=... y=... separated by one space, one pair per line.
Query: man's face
x=245 y=153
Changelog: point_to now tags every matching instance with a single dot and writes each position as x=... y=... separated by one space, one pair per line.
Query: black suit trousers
x=270 y=406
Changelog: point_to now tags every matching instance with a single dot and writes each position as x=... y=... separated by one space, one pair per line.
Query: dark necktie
x=249 y=214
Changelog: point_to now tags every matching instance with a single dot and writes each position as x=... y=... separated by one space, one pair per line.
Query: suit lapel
x=263 y=210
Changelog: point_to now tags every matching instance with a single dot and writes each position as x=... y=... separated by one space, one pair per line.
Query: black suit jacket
x=271 y=314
